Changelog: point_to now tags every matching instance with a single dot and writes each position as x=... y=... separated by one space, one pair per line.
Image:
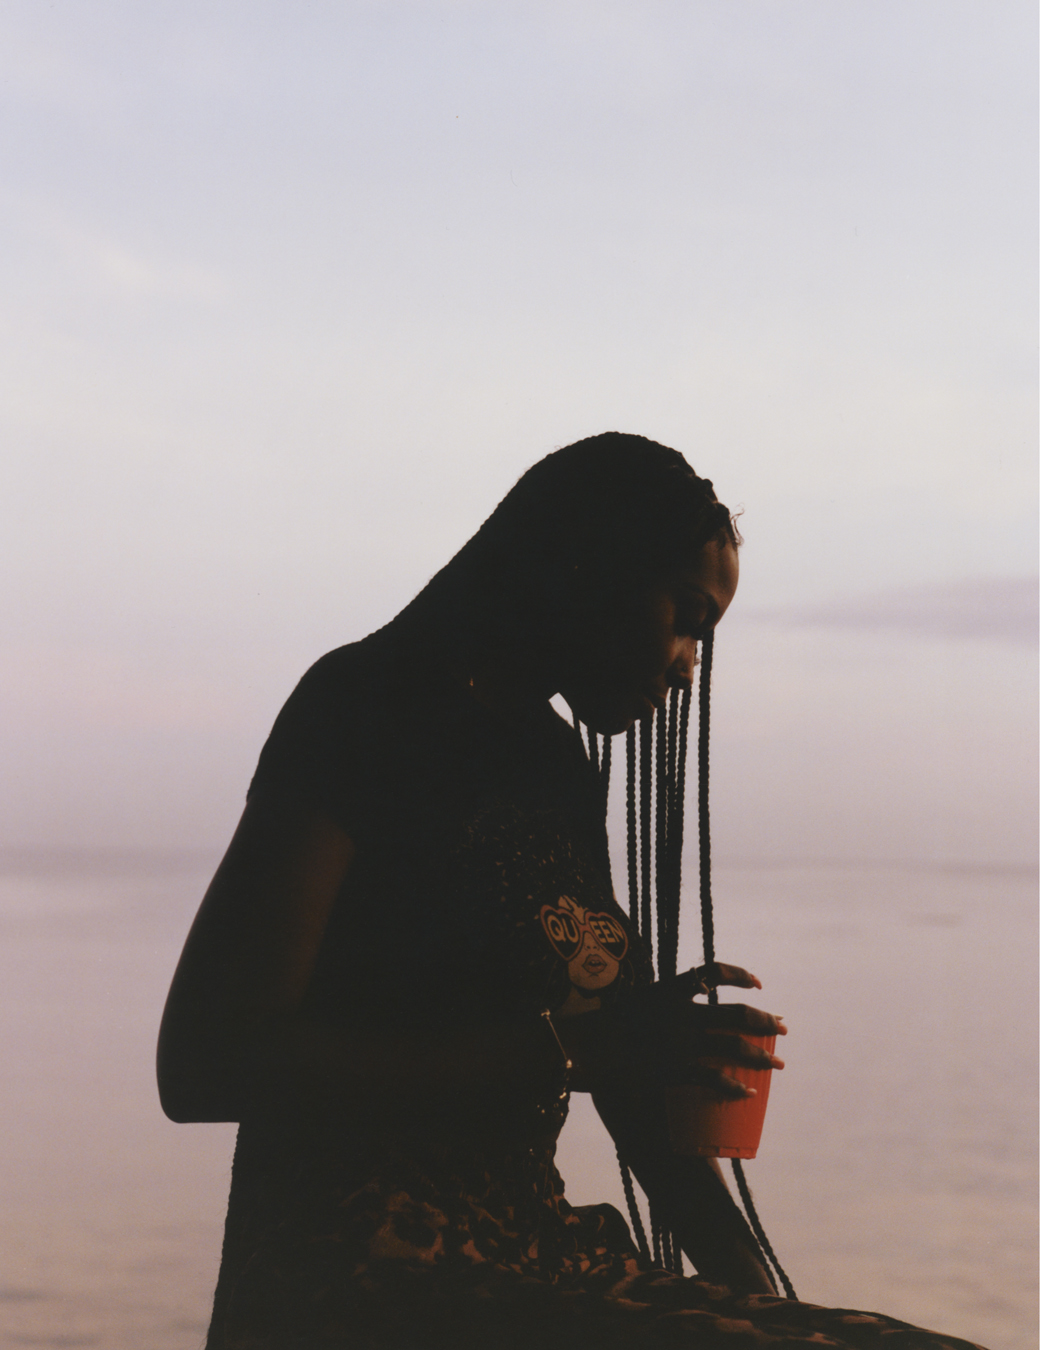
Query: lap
x=495 y=1259
x=402 y=1304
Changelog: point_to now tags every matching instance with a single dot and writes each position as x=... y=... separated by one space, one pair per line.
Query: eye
x=691 y=620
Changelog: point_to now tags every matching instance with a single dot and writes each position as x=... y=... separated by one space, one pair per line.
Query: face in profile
x=619 y=667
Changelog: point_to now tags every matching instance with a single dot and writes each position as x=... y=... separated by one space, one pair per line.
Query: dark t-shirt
x=479 y=892
x=481 y=885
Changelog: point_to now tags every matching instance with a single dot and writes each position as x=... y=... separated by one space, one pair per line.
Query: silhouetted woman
x=411 y=953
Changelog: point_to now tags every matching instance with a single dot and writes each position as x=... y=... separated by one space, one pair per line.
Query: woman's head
x=622 y=508
x=599 y=555
x=618 y=661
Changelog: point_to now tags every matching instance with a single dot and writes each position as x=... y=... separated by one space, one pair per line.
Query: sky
x=293 y=293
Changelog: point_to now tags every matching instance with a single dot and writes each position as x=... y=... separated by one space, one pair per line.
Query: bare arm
x=248 y=957
x=233 y=1035
x=689 y=1194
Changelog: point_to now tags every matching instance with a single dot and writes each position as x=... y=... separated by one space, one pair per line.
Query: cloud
x=136 y=275
x=1004 y=608
x=114 y=266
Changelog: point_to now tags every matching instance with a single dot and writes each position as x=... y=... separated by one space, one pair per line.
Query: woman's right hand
x=658 y=1037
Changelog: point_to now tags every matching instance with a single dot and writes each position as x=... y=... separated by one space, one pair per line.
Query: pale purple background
x=292 y=293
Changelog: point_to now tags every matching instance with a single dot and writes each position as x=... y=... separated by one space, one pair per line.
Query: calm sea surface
x=897 y=1171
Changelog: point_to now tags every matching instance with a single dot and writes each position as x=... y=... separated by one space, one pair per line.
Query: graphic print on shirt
x=533 y=923
x=592 y=943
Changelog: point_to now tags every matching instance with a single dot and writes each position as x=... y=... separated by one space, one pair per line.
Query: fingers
x=719 y=973
x=731 y=1089
x=720 y=1084
x=737 y=1017
x=722 y=1048
x=690 y=983
x=712 y=1061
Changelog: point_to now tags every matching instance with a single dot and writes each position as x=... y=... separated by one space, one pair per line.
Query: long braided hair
x=655 y=784
x=628 y=510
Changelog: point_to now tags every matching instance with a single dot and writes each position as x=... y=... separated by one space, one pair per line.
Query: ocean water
x=898 y=1165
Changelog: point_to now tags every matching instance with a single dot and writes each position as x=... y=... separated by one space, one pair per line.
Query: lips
x=593 y=964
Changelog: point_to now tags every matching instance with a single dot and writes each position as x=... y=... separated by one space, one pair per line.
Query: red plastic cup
x=701 y=1125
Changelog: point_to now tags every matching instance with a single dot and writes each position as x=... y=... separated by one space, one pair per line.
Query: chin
x=609 y=720
x=612 y=728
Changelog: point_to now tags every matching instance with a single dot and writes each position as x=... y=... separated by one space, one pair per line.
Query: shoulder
x=328 y=743
x=344 y=671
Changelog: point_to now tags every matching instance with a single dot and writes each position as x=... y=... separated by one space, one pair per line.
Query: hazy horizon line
x=101 y=859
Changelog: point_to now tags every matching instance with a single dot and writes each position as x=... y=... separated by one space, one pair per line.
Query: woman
x=412 y=952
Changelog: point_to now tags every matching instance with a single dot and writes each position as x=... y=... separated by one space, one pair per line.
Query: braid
x=646 y=732
x=599 y=759
x=633 y=1208
x=680 y=725
x=672 y=709
x=668 y=896
x=633 y=844
x=665 y=724
x=662 y=812
x=661 y=838
x=703 y=816
x=756 y=1225
x=672 y=725
x=708 y=929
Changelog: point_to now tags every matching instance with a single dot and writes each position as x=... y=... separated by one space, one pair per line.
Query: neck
x=507 y=682
x=466 y=626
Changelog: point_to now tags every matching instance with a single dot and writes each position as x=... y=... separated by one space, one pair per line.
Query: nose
x=680 y=672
